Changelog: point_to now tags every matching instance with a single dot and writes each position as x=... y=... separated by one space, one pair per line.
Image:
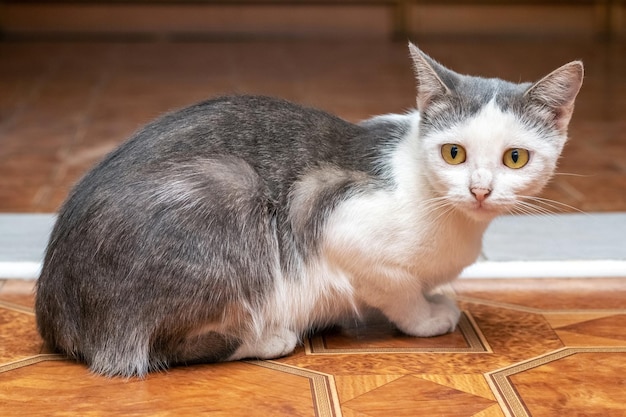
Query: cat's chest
x=379 y=233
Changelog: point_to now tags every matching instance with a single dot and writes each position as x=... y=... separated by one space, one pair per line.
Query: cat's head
x=489 y=144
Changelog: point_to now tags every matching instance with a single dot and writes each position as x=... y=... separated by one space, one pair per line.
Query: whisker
x=520 y=210
x=434 y=204
x=448 y=209
x=571 y=174
x=523 y=207
x=440 y=210
x=439 y=206
x=556 y=205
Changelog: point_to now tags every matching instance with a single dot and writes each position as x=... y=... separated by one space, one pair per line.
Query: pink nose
x=480 y=193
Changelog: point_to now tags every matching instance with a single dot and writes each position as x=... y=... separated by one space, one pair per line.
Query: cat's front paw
x=443 y=318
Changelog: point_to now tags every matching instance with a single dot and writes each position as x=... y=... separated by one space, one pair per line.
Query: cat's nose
x=480 y=193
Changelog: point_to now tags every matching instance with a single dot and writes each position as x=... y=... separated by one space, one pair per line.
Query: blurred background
x=78 y=77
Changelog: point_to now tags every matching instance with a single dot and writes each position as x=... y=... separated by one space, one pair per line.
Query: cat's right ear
x=557 y=92
x=429 y=83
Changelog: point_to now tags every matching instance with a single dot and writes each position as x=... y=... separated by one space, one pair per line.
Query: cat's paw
x=441 y=299
x=443 y=318
x=272 y=345
x=277 y=344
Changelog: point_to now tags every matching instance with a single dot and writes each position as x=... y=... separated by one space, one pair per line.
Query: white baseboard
x=546 y=269
x=566 y=245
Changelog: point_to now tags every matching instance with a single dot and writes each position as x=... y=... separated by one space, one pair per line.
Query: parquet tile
x=601 y=327
x=241 y=389
x=469 y=383
x=538 y=359
x=411 y=396
x=561 y=382
x=382 y=337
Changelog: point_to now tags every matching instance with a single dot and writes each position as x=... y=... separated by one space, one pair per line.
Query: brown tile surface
x=572 y=389
x=18 y=292
x=222 y=390
x=405 y=402
x=381 y=336
x=541 y=359
x=554 y=294
x=572 y=381
x=64 y=105
x=600 y=327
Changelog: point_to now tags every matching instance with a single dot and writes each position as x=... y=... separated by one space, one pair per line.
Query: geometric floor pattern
x=549 y=347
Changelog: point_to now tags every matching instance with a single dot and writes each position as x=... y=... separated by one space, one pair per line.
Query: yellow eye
x=515 y=158
x=453 y=154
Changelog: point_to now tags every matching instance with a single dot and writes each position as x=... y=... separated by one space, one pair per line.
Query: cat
x=231 y=228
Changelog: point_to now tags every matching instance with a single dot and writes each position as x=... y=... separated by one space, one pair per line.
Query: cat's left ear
x=430 y=77
x=557 y=92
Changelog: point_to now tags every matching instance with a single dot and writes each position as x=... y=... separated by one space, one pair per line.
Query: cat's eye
x=453 y=154
x=516 y=158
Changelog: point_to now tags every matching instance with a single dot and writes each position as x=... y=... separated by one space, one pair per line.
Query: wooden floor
x=523 y=348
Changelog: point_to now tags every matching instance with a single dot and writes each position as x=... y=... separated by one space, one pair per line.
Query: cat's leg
x=423 y=315
x=273 y=343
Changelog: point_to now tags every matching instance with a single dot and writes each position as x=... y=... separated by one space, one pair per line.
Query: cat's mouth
x=483 y=210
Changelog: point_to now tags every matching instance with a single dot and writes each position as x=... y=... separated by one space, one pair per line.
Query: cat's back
x=273 y=140
x=258 y=129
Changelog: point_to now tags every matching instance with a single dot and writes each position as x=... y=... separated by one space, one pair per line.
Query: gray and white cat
x=231 y=228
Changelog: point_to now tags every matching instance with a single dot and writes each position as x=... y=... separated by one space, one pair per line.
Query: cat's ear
x=429 y=75
x=557 y=92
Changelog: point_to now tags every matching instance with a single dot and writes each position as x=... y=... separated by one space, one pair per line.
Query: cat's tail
x=112 y=349
x=113 y=341
x=57 y=322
